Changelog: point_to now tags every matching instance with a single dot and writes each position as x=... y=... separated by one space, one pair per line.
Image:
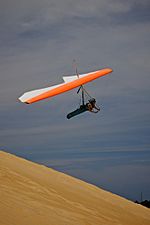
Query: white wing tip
x=22 y=99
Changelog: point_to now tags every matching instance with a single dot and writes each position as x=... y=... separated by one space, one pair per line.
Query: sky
x=38 y=42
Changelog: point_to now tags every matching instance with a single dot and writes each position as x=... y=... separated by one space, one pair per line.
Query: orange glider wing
x=70 y=83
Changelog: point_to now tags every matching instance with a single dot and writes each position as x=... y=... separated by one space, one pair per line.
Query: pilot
x=92 y=105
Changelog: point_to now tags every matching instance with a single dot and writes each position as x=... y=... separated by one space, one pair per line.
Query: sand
x=32 y=194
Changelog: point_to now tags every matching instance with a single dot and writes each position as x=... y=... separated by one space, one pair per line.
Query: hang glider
x=70 y=82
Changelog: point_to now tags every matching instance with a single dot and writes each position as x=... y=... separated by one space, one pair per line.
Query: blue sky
x=38 y=42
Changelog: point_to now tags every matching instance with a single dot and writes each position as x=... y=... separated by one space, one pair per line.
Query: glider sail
x=70 y=82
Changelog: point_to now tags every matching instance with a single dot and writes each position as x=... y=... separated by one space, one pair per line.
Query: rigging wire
x=88 y=98
x=84 y=93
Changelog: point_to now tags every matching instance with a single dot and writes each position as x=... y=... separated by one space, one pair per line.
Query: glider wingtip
x=23 y=101
x=110 y=70
x=107 y=69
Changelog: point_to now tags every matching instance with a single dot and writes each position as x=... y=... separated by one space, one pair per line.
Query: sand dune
x=32 y=194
